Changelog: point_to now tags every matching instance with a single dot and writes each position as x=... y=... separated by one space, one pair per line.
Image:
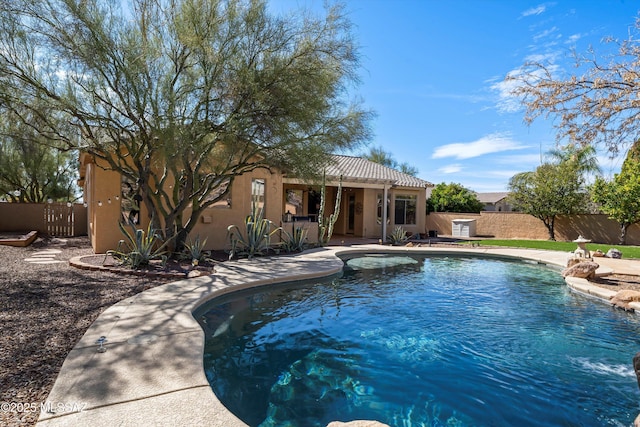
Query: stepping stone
x=48 y=252
x=39 y=259
x=52 y=261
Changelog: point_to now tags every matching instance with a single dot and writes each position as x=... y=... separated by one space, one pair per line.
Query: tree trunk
x=550 y=224
x=623 y=233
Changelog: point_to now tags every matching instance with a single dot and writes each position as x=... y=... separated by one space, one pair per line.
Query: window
x=130 y=201
x=257 y=192
x=222 y=203
x=379 y=209
x=294 y=202
x=405 y=209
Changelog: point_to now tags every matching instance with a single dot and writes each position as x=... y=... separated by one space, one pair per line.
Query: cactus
x=325 y=225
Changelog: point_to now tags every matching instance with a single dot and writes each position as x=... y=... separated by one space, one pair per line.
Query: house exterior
x=494 y=202
x=288 y=202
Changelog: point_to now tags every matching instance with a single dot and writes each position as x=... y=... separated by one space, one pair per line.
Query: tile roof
x=359 y=169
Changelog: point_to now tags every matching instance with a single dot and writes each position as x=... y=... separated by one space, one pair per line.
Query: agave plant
x=194 y=252
x=295 y=241
x=398 y=236
x=255 y=237
x=139 y=247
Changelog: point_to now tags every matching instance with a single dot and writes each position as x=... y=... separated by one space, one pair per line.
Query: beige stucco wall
x=370 y=226
x=214 y=221
x=514 y=225
x=212 y=224
x=104 y=210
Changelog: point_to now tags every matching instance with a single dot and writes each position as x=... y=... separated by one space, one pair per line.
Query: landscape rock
x=194 y=273
x=636 y=366
x=571 y=261
x=597 y=253
x=614 y=253
x=624 y=297
x=584 y=270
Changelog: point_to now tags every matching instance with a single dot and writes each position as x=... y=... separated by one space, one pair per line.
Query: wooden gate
x=59 y=219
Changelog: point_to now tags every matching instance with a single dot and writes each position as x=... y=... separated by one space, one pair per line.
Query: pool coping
x=152 y=370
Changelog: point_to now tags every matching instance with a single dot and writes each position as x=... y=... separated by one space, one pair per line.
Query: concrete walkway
x=152 y=370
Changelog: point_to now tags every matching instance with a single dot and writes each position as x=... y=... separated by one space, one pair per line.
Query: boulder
x=573 y=260
x=636 y=367
x=614 y=253
x=622 y=298
x=584 y=270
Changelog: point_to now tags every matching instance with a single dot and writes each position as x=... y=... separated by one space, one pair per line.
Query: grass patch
x=627 y=251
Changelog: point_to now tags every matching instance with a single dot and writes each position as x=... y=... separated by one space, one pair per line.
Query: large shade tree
x=31 y=169
x=182 y=96
x=551 y=190
x=453 y=197
x=620 y=197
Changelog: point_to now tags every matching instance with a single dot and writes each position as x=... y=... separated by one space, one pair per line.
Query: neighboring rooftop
x=491 y=197
x=359 y=169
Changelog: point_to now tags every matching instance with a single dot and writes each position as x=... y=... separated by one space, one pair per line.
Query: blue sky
x=433 y=72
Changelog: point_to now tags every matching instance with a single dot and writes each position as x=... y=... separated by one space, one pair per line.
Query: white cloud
x=507 y=102
x=492 y=143
x=546 y=33
x=537 y=10
x=543 y=58
x=452 y=168
x=574 y=38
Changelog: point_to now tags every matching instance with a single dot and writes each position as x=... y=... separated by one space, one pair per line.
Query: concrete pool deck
x=152 y=370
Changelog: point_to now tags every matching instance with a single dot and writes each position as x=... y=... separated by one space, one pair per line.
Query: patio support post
x=384 y=213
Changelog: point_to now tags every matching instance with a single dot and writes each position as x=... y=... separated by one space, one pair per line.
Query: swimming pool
x=423 y=341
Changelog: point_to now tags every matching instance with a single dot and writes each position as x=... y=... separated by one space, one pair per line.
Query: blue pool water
x=429 y=341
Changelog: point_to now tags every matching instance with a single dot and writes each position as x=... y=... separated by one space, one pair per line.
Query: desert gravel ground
x=46 y=308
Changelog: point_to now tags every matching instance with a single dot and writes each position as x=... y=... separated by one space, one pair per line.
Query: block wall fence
x=19 y=217
x=515 y=225
x=499 y=225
